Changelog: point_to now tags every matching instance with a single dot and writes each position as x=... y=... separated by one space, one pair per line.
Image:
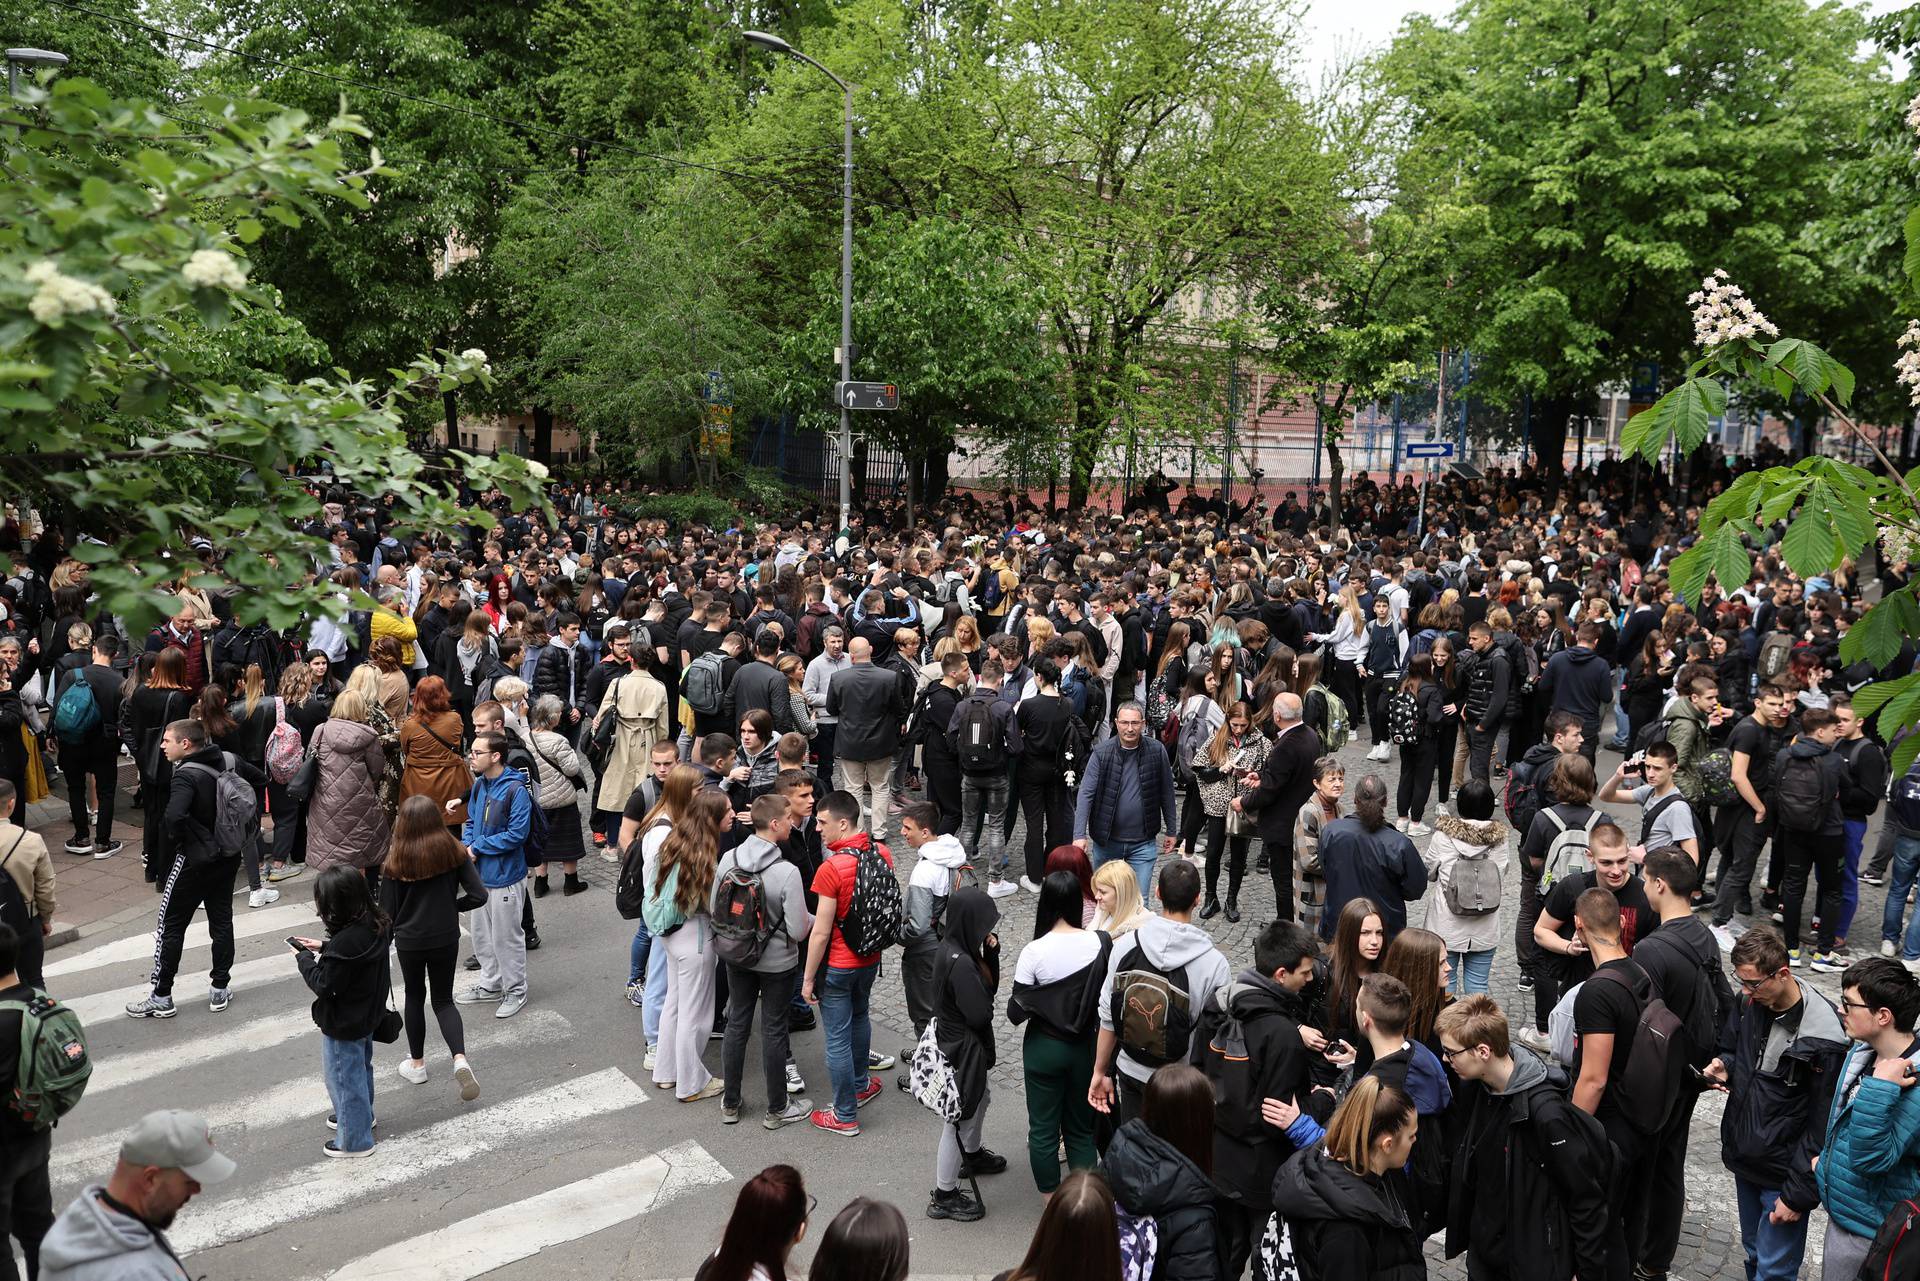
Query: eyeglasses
x=1451 y=1054
x=813 y=1203
x=1845 y=1004
x=1750 y=985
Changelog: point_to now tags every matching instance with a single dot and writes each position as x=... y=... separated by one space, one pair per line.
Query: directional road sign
x=1433 y=450
x=869 y=395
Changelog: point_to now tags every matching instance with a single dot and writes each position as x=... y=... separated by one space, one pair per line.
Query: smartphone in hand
x=294 y=942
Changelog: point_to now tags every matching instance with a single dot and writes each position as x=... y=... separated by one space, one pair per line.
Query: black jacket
x=562 y=672
x=866 y=698
x=426 y=914
x=965 y=1009
x=763 y=687
x=1778 y=1095
x=349 y=979
x=1866 y=777
x=191 y=801
x=1270 y=1017
x=1489 y=686
x=1578 y=680
x=1286 y=780
x=1345 y=1227
x=1153 y=1179
x=1543 y=1216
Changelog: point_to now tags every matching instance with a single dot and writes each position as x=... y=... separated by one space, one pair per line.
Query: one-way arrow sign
x=1434 y=449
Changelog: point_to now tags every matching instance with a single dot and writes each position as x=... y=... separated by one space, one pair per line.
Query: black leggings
x=1193 y=816
x=1236 y=850
x=1417 y=761
x=417 y=969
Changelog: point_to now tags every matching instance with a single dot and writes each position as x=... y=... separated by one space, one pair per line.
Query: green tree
x=937 y=313
x=128 y=331
x=1601 y=150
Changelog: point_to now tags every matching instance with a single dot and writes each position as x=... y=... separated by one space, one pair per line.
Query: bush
x=681 y=510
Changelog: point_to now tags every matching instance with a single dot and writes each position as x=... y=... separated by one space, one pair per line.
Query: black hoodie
x=350 y=980
x=1247 y=1151
x=1345 y=1226
x=1153 y=1179
x=965 y=1010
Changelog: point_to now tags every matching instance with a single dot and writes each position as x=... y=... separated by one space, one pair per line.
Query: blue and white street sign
x=1433 y=450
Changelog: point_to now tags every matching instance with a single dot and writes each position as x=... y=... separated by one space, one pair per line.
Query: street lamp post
x=776 y=45
x=18 y=58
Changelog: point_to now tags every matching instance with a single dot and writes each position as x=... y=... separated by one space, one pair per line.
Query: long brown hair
x=1178 y=1106
x=422 y=847
x=692 y=849
x=1346 y=967
x=211 y=711
x=1414 y=958
x=1179 y=636
x=676 y=792
x=1077 y=1236
x=169 y=669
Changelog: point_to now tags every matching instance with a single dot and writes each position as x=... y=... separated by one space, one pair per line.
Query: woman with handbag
x=346 y=823
x=1056 y=993
x=563 y=777
x=425 y=883
x=434 y=757
x=1234 y=751
x=350 y=980
x=966 y=975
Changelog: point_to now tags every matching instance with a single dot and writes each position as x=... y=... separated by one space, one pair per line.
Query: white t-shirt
x=1055 y=955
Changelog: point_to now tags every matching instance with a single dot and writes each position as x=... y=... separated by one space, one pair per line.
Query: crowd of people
x=751 y=722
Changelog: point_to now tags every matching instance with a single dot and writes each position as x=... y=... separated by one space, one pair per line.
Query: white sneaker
x=1419 y=829
x=1913 y=967
x=653 y=1053
x=1534 y=1039
x=1723 y=936
x=1887 y=948
x=408 y=1072
x=1001 y=889
x=1380 y=752
x=263 y=896
x=1440 y=810
x=1027 y=884
x=468 y=1082
x=1401 y=824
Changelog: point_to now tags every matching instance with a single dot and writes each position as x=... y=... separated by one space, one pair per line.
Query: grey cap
x=175 y=1140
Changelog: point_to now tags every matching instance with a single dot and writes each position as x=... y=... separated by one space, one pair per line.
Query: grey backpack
x=236 y=811
x=1473 y=884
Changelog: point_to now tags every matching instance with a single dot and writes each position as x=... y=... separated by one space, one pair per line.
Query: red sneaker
x=868 y=1093
x=824 y=1119
x=599 y=838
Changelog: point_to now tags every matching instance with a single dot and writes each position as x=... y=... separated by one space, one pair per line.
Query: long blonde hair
x=365 y=682
x=1128 y=907
x=692 y=849
x=255 y=686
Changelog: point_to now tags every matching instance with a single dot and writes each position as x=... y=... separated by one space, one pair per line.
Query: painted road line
x=293 y=918
x=297 y=1099
x=479 y=1245
x=188 y=989
x=252 y=1208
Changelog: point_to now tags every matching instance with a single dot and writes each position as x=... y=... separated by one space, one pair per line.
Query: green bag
x=54 y=1063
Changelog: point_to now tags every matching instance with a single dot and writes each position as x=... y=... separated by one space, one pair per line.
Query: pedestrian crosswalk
x=415 y=1209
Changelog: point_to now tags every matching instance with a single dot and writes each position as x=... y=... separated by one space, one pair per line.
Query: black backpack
x=14 y=908
x=980 y=741
x=1656 y=1064
x=1405 y=725
x=1800 y=794
x=1895 y=1252
x=874 y=910
x=1151 y=1011
x=917 y=727
x=630 y=894
x=742 y=927
x=1229 y=1065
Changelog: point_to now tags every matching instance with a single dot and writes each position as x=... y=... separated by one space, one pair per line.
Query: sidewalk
x=94 y=894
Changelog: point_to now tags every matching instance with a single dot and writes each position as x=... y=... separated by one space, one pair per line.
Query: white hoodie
x=927 y=889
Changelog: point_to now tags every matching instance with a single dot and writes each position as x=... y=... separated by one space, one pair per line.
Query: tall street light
x=18 y=58
x=777 y=45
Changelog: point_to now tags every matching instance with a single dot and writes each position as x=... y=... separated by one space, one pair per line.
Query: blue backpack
x=78 y=713
x=1906 y=800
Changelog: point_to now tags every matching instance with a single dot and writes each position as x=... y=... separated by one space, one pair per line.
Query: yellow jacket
x=387 y=623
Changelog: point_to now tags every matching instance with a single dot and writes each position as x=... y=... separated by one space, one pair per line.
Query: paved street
x=569 y=1151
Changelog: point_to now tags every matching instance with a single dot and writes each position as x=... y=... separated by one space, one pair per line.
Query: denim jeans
x=1773 y=1249
x=1850 y=875
x=645 y=958
x=1619 y=740
x=983 y=813
x=349 y=1071
x=1906 y=863
x=843 y=1011
x=1139 y=855
x=1471 y=972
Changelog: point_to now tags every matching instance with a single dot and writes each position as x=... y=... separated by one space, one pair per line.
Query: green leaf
x=1880 y=693
x=1719 y=555
x=1903 y=753
x=22 y=399
x=1810 y=545
x=248 y=230
x=1812 y=369
x=1911 y=264
x=1882 y=630
x=1681 y=414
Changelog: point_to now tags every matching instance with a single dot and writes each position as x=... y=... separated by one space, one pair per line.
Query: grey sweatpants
x=499 y=942
x=957 y=1138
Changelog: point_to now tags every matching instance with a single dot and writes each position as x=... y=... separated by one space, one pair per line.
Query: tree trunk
x=450 y=400
x=1547 y=434
x=543 y=433
x=938 y=464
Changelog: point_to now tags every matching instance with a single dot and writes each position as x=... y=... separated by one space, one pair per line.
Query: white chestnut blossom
x=214 y=269
x=60 y=296
x=478 y=357
x=1723 y=314
x=1913 y=117
x=1906 y=370
x=1898 y=544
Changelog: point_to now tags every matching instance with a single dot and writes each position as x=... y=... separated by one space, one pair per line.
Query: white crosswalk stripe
x=112 y=1070
x=485 y=1242
x=249 y=1209
x=299 y=1099
x=246 y=977
x=291 y=918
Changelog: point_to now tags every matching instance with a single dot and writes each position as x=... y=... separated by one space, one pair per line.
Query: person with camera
x=1665 y=817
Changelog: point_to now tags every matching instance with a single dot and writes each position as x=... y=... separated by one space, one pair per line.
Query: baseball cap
x=177 y=1140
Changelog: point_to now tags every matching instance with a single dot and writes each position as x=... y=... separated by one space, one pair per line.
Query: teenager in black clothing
x=425 y=883
x=26 y=1198
x=1046 y=793
x=1563 y=959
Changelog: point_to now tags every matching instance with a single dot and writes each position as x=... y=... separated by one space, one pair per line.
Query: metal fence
x=810 y=460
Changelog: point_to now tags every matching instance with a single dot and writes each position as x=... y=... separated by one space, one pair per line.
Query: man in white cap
x=117 y=1232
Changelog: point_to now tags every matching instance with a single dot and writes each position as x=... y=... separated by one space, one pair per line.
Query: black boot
x=573 y=884
x=955 y=1205
x=539 y=887
x=1211 y=910
x=984 y=1161
x=1233 y=910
